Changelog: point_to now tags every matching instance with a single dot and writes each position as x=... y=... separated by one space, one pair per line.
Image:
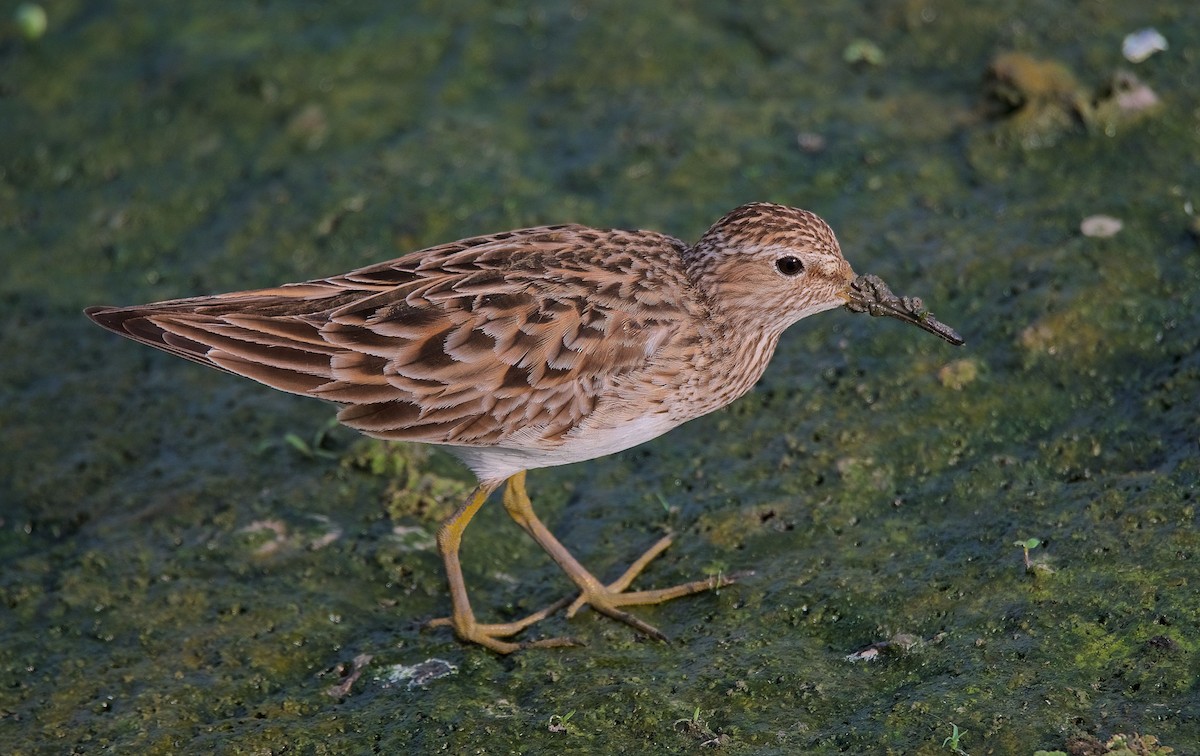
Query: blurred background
x=991 y=549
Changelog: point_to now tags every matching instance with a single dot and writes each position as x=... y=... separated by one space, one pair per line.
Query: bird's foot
x=492 y=635
x=607 y=599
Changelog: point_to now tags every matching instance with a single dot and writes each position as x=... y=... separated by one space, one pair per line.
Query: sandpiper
x=532 y=348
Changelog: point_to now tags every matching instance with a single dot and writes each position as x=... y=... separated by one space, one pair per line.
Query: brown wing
x=466 y=343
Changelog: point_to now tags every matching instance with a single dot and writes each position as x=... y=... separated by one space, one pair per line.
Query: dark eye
x=789 y=266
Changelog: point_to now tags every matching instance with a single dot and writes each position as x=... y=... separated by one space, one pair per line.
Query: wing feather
x=469 y=343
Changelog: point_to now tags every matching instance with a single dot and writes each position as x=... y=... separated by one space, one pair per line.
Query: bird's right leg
x=462 y=619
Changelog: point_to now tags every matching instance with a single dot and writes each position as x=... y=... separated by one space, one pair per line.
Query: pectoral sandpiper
x=533 y=348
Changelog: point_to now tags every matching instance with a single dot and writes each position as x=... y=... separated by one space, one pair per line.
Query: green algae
x=875 y=493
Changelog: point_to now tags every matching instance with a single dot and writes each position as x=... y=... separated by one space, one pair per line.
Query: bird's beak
x=871 y=295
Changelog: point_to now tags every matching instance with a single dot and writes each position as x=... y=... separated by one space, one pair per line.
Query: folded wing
x=467 y=343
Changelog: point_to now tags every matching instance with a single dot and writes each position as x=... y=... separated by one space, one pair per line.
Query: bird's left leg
x=603 y=598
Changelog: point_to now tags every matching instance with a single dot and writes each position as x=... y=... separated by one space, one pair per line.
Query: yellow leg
x=462 y=619
x=603 y=598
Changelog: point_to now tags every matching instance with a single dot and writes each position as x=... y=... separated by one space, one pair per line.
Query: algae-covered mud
x=992 y=548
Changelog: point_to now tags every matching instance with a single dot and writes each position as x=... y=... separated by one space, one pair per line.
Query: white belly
x=499 y=462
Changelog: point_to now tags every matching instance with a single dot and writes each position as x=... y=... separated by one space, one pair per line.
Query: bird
x=533 y=348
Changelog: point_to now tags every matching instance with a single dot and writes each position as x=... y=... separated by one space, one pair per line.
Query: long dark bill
x=871 y=295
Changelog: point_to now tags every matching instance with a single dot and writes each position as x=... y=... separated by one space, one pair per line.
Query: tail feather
x=135 y=323
x=290 y=355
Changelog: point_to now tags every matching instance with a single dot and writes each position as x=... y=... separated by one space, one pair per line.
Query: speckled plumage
x=526 y=348
x=534 y=341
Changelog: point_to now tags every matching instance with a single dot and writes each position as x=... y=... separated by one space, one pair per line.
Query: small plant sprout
x=558 y=722
x=662 y=500
x=956 y=735
x=697 y=728
x=690 y=722
x=315 y=448
x=1031 y=566
x=1028 y=545
x=716 y=570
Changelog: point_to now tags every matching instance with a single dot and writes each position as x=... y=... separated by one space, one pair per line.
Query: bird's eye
x=789 y=266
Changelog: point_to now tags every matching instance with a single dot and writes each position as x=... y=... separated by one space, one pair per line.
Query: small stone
x=1039 y=338
x=31 y=20
x=810 y=142
x=309 y=126
x=1131 y=95
x=1141 y=44
x=1100 y=226
x=863 y=51
x=957 y=374
x=417 y=675
x=870 y=653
